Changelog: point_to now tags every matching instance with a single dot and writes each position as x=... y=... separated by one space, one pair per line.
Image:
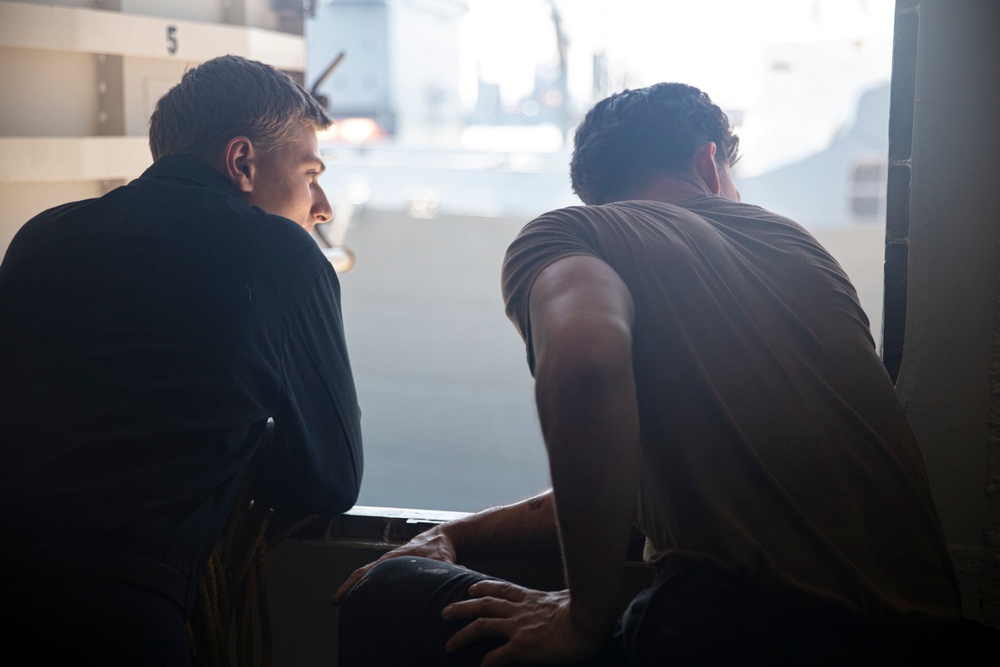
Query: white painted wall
x=79 y=77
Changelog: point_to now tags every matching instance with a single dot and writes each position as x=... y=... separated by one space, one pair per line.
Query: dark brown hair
x=627 y=136
x=228 y=97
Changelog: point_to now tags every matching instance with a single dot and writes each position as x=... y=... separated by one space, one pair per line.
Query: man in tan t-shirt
x=704 y=372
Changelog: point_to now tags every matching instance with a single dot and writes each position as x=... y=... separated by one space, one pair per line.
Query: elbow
x=348 y=485
x=340 y=499
x=354 y=489
x=340 y=487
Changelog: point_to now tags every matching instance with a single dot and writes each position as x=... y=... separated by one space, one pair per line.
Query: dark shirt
x=146 y=337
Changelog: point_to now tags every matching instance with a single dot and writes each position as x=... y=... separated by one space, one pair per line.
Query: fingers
x=532 y=626
x=489 y=598
x=498 y=589
x=492 y=605
x=436 y=549
x=498 y=657
x=348 y=584
x=478 y=608
x=486 y=628
x=481 y=628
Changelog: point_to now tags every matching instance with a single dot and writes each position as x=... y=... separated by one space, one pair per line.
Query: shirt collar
x=183 y=169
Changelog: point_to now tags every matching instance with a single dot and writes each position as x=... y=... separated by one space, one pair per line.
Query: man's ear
x=706 y=168
x=239 y=163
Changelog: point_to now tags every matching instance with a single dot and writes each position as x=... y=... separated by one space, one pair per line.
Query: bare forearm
x=526 y=529
x=591 y=431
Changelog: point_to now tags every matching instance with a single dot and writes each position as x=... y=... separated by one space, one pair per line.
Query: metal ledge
x=379 y=528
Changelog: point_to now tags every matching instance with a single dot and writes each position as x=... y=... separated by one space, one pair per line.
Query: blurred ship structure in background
x=435 y=188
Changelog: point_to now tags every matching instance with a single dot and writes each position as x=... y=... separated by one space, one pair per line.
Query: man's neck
x=671 y=188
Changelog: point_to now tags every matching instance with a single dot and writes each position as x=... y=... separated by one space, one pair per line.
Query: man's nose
x=321 y=209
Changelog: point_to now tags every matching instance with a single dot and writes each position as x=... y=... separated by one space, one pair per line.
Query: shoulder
x=47 y=229
x=295 y=243
x=716 y=209
x=553 y=234
x=204 y=207
x=200 y=214
x=622 y=212
x=571 y=225
x=594 y=230
x=282 y=245
x=577 y=230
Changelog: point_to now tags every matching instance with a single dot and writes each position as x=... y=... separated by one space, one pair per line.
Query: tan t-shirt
x=774 y=446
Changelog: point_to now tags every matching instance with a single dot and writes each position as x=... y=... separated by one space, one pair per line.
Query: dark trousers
x=81 y=622
x=393 y=617
x=693 y=614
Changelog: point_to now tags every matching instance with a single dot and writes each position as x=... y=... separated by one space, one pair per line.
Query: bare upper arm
x=582 y=309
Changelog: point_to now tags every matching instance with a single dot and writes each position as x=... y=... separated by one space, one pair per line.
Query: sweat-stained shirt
x=773 y=444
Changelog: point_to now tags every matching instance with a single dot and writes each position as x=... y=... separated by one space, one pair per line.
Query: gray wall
x=949 y=380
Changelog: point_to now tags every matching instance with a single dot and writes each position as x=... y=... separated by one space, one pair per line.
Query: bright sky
x=795 y=67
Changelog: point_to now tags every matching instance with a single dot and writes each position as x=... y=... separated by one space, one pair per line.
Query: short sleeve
x=544 y=240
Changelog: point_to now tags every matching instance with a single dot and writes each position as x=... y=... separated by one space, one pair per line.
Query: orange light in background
x=329 y=134
x=352 y=130
x=358 y=130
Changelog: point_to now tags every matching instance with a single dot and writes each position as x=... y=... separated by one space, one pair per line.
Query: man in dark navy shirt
x=146 y=338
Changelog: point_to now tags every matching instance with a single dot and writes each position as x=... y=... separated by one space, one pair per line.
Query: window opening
x=465 y=139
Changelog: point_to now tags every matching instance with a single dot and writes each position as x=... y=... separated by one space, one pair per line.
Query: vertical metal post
x=897 y=227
